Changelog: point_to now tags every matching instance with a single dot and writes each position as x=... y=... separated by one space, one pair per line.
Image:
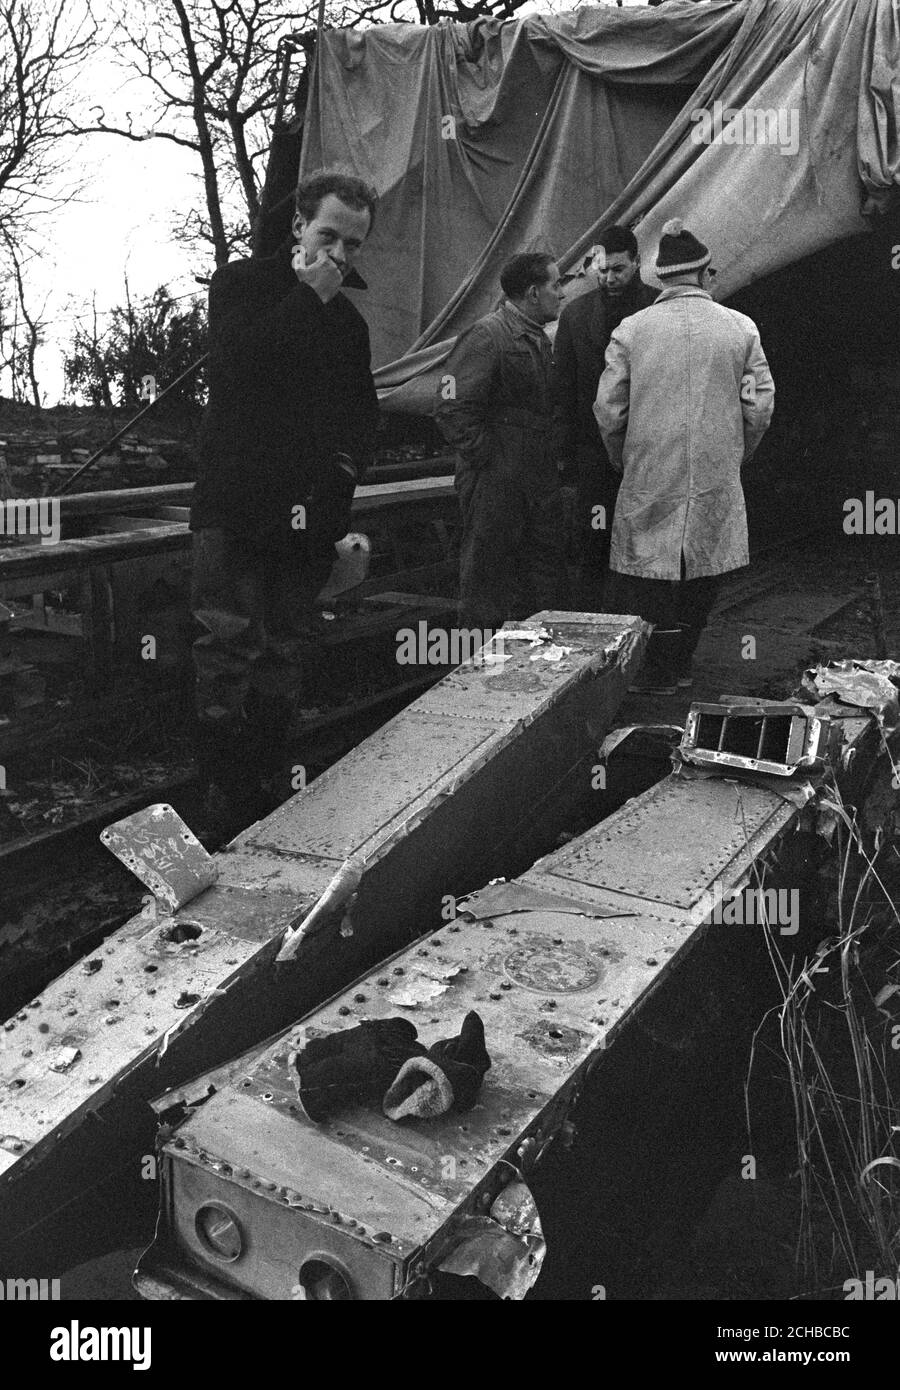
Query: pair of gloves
x=383 y=1064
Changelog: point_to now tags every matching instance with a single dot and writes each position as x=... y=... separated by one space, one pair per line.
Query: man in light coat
x=684 y=400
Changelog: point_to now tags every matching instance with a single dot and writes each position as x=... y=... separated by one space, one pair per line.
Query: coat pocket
x=522 y=385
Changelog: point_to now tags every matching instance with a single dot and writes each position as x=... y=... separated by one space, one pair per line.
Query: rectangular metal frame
x=777 y=738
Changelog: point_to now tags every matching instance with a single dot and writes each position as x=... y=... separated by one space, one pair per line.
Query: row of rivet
x=287 y=1195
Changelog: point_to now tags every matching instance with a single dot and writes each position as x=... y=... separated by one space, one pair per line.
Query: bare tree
x=21 y=333
x=160 y=337
x=86 y=362
x=42 y=46
x=205 y=76
x=9 y=343
x=27 y=328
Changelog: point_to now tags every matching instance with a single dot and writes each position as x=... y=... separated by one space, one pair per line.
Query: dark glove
x=448 y=1077
x=328 y=521
x=353 y=1067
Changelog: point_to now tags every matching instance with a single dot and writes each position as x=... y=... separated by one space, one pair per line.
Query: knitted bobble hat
x=679 y=251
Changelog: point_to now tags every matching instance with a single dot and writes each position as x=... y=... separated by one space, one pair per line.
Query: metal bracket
x=164 y=853
x=773 y=737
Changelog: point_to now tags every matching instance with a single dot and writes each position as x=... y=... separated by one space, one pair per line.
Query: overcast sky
x=122 y=223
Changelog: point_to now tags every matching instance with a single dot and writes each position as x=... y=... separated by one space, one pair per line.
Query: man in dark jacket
x=288 y=431
x=495 y=409
x=585 y=328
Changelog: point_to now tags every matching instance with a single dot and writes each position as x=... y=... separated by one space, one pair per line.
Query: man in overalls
x=495 y=409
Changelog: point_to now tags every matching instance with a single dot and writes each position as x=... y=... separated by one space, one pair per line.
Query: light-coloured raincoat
x=684 y=400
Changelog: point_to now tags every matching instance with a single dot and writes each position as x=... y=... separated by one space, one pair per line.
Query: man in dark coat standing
x=585 y=328
x=495 y=409
x=287 y=434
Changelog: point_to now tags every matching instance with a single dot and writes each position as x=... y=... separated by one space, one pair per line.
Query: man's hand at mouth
x=323 y=275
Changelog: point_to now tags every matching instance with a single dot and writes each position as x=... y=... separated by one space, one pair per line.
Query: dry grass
x=840 y=1046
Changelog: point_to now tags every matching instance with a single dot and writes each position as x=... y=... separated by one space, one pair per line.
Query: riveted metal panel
x=275 y=871
x=553 y=987
x=281 y=1236
x=670 y=843
x=118 y=1004
x=245 y=913
x=593 y=629
x=392 y=799
x=548 y=985
x=531 y=675
x=606 y=902
x=376 y=788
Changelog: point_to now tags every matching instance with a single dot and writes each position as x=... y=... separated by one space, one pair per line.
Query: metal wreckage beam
x=451 y=792
x=258 y=1202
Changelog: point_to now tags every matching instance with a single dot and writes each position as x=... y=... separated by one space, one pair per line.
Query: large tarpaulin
x=493 y=137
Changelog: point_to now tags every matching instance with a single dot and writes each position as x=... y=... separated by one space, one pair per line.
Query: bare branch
x=42 y=47
x=23 y=359
x=100 y=128
x=211 y=71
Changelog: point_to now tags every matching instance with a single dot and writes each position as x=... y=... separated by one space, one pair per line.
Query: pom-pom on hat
x=679 y=251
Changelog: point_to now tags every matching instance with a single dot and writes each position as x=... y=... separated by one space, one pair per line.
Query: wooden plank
x=118 y=499
x=74 y=504
x=54 y=565
x=55 y=562
x=120 y=524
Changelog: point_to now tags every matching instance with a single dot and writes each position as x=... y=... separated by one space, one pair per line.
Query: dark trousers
x=598 y=487
x=513 y=549
x=672 y=605
x=251 y=604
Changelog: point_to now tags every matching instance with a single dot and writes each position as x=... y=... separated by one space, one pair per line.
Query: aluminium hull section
x=430 y=802
x=559 y=964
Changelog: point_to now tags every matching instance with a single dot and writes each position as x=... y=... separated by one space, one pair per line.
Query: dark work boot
x=658 y=674
x=689 y=637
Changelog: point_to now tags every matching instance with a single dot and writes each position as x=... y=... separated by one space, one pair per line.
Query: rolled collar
x=683 y=292
x=520 y=324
